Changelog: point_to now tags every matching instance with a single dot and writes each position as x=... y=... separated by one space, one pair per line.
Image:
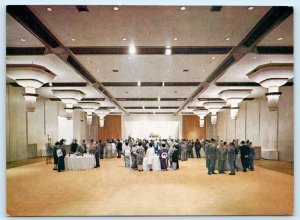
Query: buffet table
x=155 y=165
x=85 y=162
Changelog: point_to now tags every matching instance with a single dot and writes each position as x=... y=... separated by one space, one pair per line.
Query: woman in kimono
x=163 y=156
x=133 y=158
x=61 y=153
x=126 y=153
x=150 y=155
x=140 y=152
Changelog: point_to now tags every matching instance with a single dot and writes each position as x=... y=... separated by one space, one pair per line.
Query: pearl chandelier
x=70 y=98
x=233 y=97
x=272 y=76
x=201 y=113
x=213 y=108
x=31 y=77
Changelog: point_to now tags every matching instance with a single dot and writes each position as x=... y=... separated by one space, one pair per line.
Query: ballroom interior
x=169 y=72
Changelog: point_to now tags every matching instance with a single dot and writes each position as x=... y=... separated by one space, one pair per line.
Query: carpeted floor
x=37 y=190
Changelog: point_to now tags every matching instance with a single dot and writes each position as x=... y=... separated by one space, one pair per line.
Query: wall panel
x=191 y=128
x=112 y=128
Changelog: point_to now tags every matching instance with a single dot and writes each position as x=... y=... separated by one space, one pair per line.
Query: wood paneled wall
x=112 y=128
x=191 y=128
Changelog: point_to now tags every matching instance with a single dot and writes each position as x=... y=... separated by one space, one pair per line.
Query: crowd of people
x=169 y=152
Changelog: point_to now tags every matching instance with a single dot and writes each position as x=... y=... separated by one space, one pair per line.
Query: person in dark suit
x=74 y=146
x=245 y=151
x=97 y=155
x=61 y=153
x=119 y=148
x=54 y=154
x=251 y=157
x=198 y=148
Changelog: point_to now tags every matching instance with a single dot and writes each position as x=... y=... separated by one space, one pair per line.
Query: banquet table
x=155 y=165
x=85 y=162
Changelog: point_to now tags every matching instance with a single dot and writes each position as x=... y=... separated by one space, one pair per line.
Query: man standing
x=119 y=148
x=222 y=155
x=189 y=149
x=211 y=156
x=183 y=152
x=251 y=157
x=197 y=148
x=245 y=151
x=231 y=158
x=74 y=146
x=206 y=146
x=61 y=153
x=97 y=154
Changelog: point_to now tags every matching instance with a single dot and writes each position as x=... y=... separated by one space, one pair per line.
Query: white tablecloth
x=155 y=165
x=85 y=162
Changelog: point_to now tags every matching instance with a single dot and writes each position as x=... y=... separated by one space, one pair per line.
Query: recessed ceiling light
x=196 y=80
x=139 y=83
x=87 y=58
x=280 y=38
x=183 y=8
x=154 y=113
x=168 y=70
x=163 y=83
x=168 y=51
x=175 y=38
x=23 y=40
x=132 y=49
x=49 y=9
x=254 y=57
x=73 y=39
x=158 y=98
x=227 y=38
x=158 y=107
x=203 y=70
x=143 y=107
x=116 y=8
x=213 y=58
x=124 y=38
x=50 y=83
x=250 y=8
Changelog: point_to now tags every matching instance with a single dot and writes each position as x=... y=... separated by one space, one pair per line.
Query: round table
x=85 y=162
x=155 y=165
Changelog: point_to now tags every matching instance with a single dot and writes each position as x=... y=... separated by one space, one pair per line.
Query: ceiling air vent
x=216 y=8
x=185 y=70
x=115 y=71
x=82 y=8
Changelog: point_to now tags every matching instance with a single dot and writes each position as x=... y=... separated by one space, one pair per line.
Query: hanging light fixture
x=31 y=77
x=70 y=98
x=201 y=113
x=89 y=108
x=233 y=97
x=102 y=113
x=272 y=76
x=213 y=108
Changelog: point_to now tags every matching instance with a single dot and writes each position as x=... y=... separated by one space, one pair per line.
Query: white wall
x=255 y=122
x=141 y=126
x=24 y=128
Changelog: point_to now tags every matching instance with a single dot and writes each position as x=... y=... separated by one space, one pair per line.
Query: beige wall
x=256 y=123
x=34 y=127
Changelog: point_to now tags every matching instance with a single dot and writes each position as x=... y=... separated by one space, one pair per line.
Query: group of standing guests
x=229 y=152
x=168 y=151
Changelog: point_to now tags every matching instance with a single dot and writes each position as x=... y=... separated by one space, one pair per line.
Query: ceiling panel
x=149 y=25
x=150 y=68
x=284 y=30
x=18 y=36
x=151 y=92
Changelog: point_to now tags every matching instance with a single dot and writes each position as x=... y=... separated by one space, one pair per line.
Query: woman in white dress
x=150 y=154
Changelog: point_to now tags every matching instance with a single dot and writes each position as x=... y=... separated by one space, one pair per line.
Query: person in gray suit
x=231 y=158
x=206 y=146
x=212 y=156
x=251 y=157
x=183 y=147
x=222 y=156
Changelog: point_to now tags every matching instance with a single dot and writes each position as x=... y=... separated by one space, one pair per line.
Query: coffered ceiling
x=92 y=47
